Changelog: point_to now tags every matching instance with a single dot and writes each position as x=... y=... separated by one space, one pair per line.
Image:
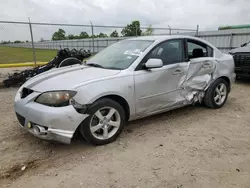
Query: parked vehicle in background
x=128 y=80
x=241 y=57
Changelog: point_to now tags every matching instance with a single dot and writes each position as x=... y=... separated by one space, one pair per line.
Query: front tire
x=217 y=94
x=105 y=122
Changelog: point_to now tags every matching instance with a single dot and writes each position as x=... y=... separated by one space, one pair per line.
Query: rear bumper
x=53 y=123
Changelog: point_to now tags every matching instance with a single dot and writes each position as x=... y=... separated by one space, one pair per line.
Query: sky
x=209 y=14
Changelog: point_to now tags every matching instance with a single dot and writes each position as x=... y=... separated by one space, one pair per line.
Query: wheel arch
x=119 y=99
x=66 y=61
x=227 y=80
x=115 y=97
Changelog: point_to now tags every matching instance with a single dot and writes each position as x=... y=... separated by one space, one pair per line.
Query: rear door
x=201 y=63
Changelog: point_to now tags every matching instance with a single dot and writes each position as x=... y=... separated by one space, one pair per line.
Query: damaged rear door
x=200 y=72
x=202 y=65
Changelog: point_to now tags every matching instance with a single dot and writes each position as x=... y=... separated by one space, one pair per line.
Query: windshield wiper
x=94 y=65
x=245 y=44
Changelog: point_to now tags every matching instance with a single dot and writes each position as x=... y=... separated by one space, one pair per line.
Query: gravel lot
x=189 y=147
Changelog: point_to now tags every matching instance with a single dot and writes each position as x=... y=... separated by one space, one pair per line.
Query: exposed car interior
x=167 y=52
x=197 y=52
x=170 y=53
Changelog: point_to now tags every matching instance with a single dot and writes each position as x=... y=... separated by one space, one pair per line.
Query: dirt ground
x=189 y=147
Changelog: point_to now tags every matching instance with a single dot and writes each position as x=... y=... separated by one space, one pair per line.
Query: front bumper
x=55 y=123
x=243 y=71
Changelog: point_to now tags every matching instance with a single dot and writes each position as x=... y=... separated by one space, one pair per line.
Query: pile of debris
x=64 y=57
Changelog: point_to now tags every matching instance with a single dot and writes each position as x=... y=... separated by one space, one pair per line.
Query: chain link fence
x=29 y=41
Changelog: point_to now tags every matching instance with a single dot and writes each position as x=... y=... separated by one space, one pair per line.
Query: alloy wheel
x=105 y=123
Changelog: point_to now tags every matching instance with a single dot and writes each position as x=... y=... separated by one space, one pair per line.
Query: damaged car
x=128 y=80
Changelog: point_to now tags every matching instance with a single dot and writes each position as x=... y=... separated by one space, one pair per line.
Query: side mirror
x=154 y=63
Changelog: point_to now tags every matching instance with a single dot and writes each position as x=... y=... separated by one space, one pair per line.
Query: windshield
x=119 y=55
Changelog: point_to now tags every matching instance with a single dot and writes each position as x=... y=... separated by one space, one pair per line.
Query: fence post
x=93 y=42
x=170 y=31
x=32 y=41
x=97 y=45
x=231 y=41
x=197 y=31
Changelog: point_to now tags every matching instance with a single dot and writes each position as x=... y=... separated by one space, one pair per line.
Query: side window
x=197 y=49
x=169 y=52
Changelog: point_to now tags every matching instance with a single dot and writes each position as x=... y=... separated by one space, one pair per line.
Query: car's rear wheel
x=105 y=122
x=217 y=93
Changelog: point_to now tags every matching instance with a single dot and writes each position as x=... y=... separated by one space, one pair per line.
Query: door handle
x=177 y=71
x=206 y=65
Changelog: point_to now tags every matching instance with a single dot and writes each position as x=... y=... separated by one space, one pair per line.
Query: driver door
x=157 y=89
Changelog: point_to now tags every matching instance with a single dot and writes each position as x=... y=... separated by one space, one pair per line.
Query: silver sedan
x=128 y=80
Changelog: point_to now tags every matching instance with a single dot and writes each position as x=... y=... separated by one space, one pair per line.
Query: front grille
x=21 y=119
x=242 y=59
x=26 y=92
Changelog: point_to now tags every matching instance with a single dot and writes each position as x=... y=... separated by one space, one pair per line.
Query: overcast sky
x=209 y=14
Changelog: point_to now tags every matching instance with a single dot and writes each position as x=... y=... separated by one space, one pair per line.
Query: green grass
x=21 y=55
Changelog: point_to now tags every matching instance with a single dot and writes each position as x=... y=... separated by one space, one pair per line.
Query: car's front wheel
x=217 y=93
x=105 y=122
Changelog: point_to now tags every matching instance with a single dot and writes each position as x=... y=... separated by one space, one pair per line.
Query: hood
x=67 y=78
x=240 y=49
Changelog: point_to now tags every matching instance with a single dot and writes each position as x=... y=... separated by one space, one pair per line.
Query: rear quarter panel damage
x=204 y=71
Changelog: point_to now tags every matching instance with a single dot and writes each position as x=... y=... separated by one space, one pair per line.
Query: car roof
x=160 y=38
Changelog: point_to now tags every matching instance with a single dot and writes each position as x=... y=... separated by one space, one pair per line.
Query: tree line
x=16 y=42
x=132 y=29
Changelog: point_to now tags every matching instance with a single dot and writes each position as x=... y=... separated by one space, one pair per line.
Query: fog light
x=29 y=125
x=36 y=130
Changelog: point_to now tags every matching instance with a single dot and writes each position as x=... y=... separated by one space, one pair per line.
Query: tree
x=114 y=34
x=132 y=29
x=59 y=35
x=5 y=42
x=83 y=35
x=72 y=36
x=18 y=41
x=102 y=35
x=149 y=31
x=41 y=39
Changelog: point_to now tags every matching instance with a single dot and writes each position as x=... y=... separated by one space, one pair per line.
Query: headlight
x=55 y=98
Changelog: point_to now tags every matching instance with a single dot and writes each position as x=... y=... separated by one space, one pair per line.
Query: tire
x=69 y=61
x=211 y=98
x=99 y=137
